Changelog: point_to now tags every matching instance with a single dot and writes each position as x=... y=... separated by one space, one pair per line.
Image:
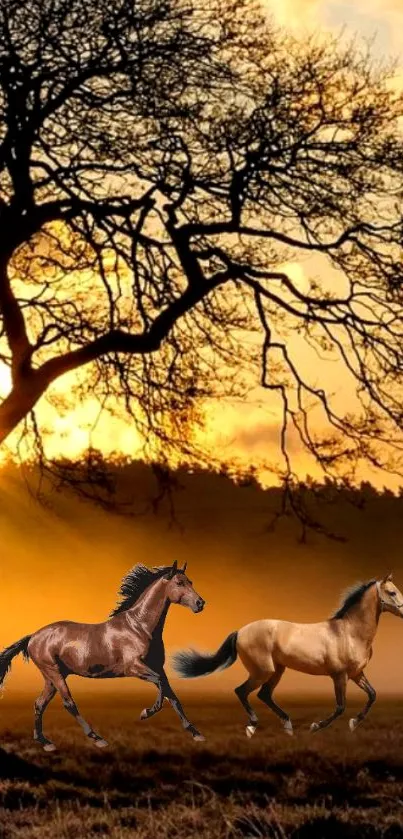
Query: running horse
x=339 y=647
x=129 y=643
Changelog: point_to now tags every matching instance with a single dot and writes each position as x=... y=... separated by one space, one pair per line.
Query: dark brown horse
x=128 y=644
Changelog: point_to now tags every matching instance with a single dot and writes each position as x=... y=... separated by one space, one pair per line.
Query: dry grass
x=153 y=781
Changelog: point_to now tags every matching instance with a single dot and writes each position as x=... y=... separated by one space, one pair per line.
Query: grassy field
x=153 y=781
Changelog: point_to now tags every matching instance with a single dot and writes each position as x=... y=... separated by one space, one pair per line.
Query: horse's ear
x=173 y=570
x=184 y=568
x=388 y=578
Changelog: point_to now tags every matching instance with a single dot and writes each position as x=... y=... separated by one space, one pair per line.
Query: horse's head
x=180 y=589
x=390 y=597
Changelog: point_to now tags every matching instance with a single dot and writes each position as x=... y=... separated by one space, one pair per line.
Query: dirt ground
x=154 y=781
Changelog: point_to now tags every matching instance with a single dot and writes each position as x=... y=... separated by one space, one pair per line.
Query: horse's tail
x=10 y=652
x=190 y=663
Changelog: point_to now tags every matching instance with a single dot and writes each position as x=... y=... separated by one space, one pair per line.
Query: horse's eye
x=392 y=593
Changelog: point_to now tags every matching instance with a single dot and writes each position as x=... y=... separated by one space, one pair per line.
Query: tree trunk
x=19 y=402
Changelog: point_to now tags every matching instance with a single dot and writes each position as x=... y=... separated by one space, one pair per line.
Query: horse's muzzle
x=200 y=604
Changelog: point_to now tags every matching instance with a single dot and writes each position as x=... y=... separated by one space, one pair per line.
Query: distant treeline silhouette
x=187 y=497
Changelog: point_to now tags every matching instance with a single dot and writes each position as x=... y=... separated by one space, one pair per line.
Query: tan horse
x=340 y=647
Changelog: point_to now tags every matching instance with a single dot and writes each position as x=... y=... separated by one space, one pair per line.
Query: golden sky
x=248 y=432
x=381 y=20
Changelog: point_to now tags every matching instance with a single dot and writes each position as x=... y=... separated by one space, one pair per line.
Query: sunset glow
x=246 y=433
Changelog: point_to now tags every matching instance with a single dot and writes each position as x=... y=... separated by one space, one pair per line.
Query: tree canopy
x=162 y=163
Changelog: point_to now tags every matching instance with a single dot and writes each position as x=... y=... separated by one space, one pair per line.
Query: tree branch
x=117 y=341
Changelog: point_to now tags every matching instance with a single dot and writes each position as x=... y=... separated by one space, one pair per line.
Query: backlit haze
x=67 y=562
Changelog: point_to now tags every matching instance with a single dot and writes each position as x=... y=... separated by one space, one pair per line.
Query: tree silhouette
x=162 y=162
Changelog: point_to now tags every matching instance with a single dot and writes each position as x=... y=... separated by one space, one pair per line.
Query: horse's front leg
x=166 y=692
x=142 y=671
x=149 y=712
x=174 y=701
x=145 y=673
x=363 y=683
x=340 y=684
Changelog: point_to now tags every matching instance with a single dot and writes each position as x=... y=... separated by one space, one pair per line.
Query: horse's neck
x=363 y=618
x=161 y=623
x=151 y=607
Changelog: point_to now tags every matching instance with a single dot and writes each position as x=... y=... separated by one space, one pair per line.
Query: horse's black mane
x=135 y=582
x=351 y=597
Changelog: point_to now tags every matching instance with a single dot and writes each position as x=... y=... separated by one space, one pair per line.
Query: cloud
x=297 y=14
x=263 y=438
x=383 y=19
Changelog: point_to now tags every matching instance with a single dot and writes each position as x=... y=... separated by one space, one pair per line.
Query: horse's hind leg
x=363 y=683
x=59 y=683
x=340 y=683
x=242 y=693
x=40 y=705
x=265 y=695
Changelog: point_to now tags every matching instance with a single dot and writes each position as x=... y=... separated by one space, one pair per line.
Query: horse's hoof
x=200 y=738
x=352 y=724
x=144 y=714
x=49 y=747
x=195 y=733
x=250 y=730
x=101 y=743
x=314 y=727
x=288 y=728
